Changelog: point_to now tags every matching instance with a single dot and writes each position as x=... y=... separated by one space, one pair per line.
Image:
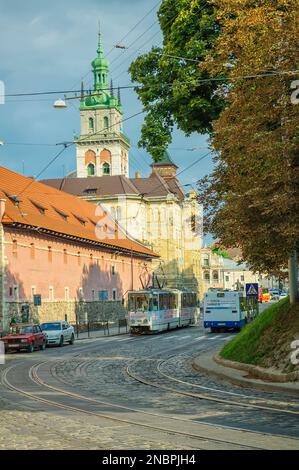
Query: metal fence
x=94 y=329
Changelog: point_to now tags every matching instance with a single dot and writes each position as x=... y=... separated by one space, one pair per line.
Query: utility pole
x=293 y=278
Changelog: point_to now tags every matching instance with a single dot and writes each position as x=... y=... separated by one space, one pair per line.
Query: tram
x=155 y=310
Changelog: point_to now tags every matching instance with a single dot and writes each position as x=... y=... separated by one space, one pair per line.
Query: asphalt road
x=136 y=392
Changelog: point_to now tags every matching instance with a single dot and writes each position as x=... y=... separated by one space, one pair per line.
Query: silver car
x=58 y=333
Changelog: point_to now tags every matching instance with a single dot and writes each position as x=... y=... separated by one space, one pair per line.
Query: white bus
x=224 y=310
x=154 y=310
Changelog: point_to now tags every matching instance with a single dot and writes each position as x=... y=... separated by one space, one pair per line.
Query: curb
x=244 y=382
x=258 y=372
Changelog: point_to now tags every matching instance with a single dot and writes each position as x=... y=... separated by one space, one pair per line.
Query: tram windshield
x=138 y=302
x=141 y=302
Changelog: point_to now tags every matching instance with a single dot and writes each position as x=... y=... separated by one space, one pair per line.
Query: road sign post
x=252 y=294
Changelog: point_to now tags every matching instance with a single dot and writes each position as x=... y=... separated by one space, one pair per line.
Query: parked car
x=264 y=294
x=274 y=294
x=283 y=294
x=24 y=336
x=58 y=332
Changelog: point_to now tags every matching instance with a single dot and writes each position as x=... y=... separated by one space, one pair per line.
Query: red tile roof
x=36 y=205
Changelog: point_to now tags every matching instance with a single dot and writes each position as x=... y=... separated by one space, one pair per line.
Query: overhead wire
x=68 y=144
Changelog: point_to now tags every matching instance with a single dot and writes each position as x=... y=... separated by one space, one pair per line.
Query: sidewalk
x=243 y=375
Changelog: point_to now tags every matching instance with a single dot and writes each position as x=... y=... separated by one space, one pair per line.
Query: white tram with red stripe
x=155 y=310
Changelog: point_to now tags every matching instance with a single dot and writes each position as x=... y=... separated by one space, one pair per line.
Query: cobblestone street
x=127 y=392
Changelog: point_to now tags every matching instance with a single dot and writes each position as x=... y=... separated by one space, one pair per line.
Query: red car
x=24 y=336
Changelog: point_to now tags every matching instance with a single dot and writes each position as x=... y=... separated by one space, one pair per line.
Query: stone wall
x=60 y=310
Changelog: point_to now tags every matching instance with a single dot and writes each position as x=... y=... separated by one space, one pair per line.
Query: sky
x=49 y=46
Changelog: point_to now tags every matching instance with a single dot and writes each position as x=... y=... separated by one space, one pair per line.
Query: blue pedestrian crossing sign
x=252 y=289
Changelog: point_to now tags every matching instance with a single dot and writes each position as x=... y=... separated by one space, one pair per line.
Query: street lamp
x=60 y=104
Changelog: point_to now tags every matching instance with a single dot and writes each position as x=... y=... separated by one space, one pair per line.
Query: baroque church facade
x=153 y=210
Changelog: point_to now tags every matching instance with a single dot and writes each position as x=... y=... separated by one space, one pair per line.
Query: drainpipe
x=2 y=269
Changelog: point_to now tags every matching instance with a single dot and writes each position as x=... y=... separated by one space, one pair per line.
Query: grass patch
x=266 y=341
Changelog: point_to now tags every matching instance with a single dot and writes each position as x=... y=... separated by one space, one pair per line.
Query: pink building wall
x=30 y=263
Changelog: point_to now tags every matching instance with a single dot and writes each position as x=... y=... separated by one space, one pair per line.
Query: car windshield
x=50 y=326
x=20 y=330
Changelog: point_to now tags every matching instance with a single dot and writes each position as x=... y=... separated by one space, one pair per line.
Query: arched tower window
x=106 y=169
x=90 y=123
x=90 y=169
x=106 y=122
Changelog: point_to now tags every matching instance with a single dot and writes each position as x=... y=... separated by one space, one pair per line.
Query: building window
x=91 y=257
x=215 y=276
x=227 y=278
x=90 y=169
x=90 y=123
x=112 y=212
x=15 y=248
x=193 y=223
x=106 y=169
x=93 y=294
x=10 y=292
x=113 y=270
x=242 y=277
x=79 y=258
x=206 y=261
x=50 y=254
x=103 y=295
x=106 y=122
x=51 y=293
x=16 y=293
x=113 y=294
x=66 y=294
x=207 y=276
x=81 y=293
x=32 y=251
x=65 y=256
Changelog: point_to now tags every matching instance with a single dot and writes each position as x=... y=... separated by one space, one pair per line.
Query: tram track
x=35 y=379
x=201 y=396
x=88 y=405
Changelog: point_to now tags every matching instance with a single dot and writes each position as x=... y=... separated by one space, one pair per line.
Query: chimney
x=137 y=174
x=2 y=208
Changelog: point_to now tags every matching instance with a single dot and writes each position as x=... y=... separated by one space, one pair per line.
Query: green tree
x=169 y=76
x=252 y=196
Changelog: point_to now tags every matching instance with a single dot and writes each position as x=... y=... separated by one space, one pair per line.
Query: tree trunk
x=293 y=278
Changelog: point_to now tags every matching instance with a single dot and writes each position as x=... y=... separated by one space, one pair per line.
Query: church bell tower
x=102 y=148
